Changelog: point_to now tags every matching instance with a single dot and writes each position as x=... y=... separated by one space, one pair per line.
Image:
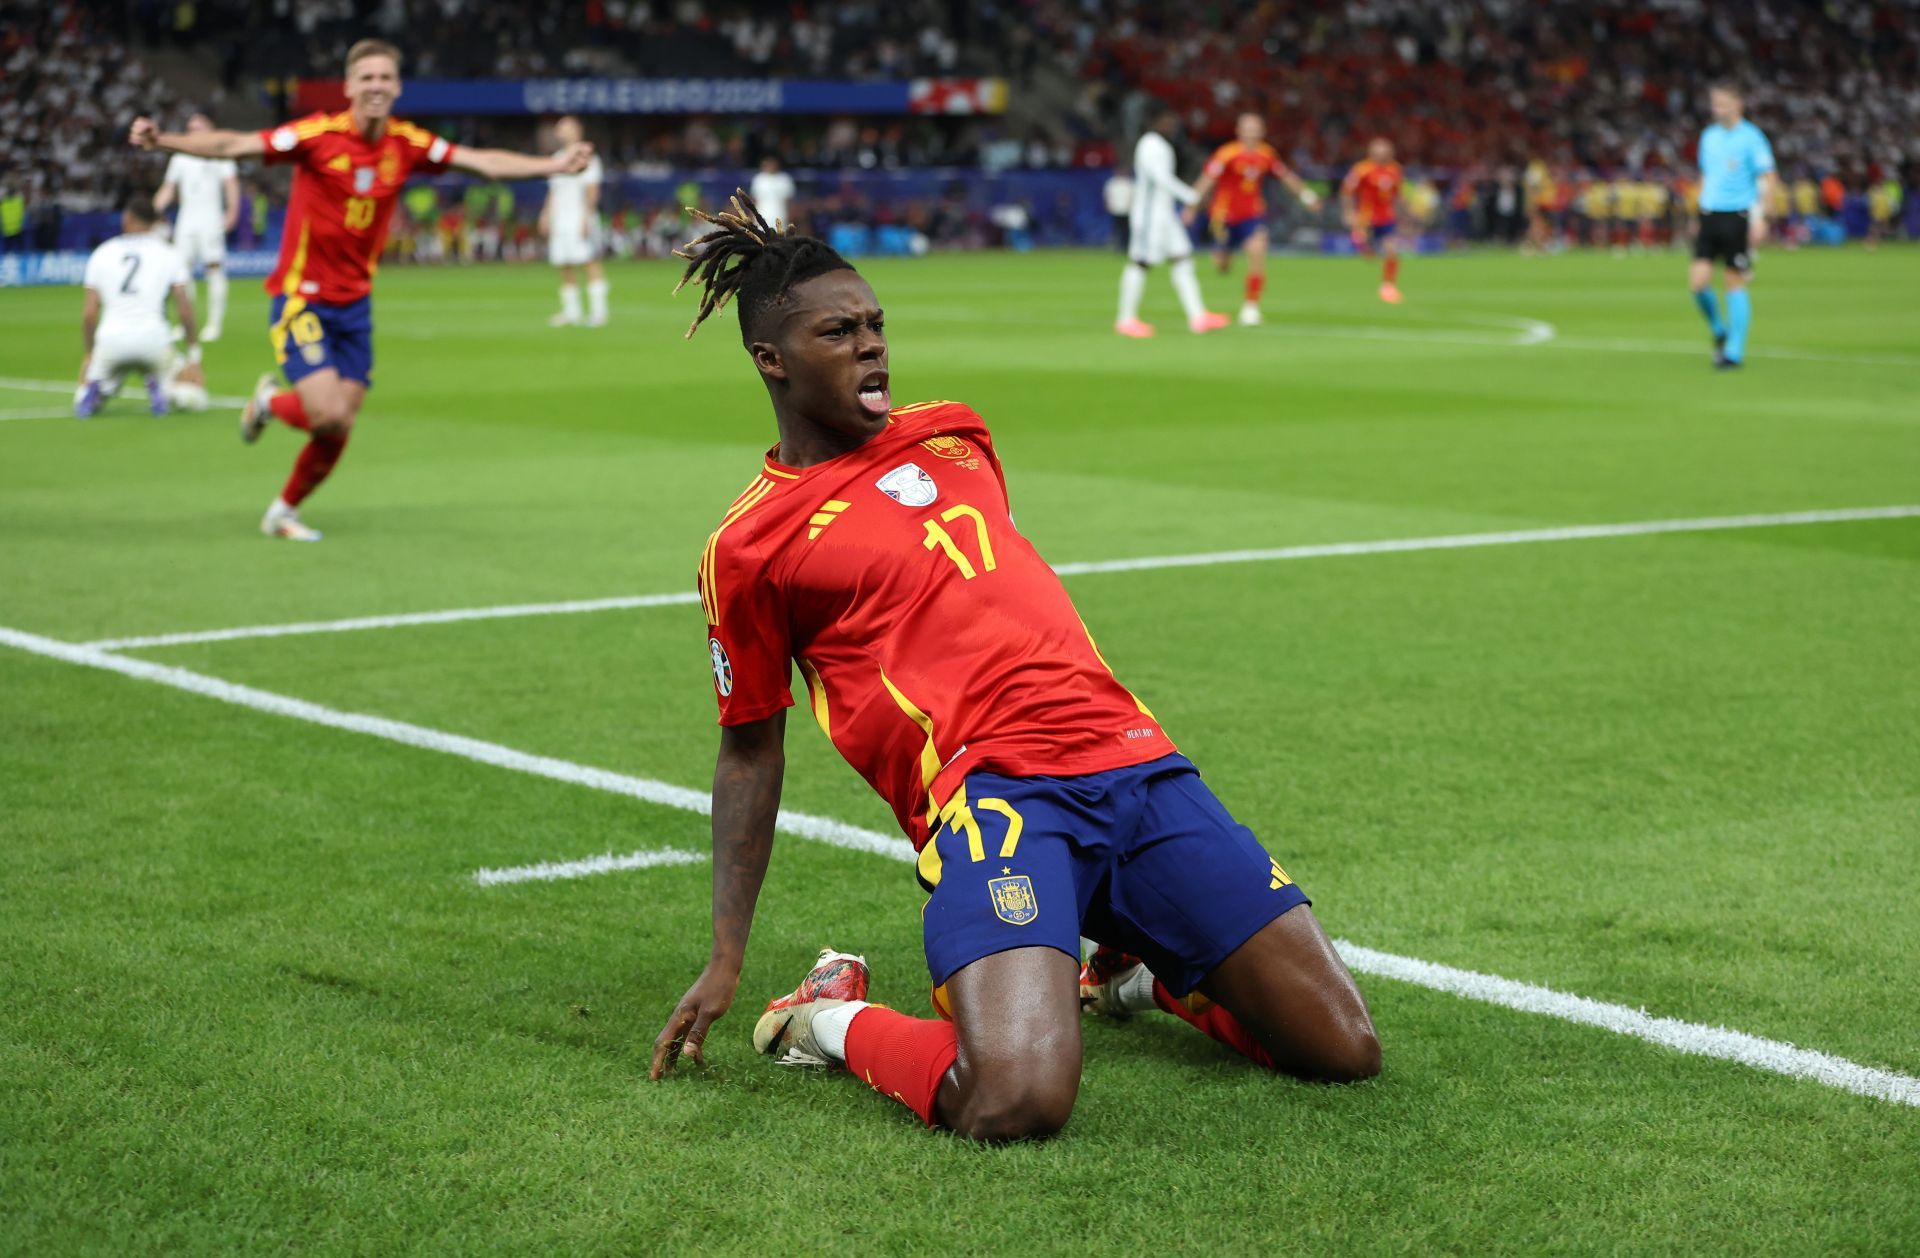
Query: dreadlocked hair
x=751 y=259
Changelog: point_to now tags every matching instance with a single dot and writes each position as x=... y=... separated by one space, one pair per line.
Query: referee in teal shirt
x=1736 y=178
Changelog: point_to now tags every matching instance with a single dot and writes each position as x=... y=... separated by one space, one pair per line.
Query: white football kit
x=573 y=236
x=200 y=228
x=772 y=192
x=134 y=275
x=1157 y=235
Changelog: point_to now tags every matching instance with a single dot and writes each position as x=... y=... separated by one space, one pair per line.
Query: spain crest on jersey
x=363 y=179
x=1013 y=900
x=909 y=486
x=948 y=447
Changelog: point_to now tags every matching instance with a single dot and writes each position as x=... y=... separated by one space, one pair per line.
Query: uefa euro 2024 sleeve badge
x=722 y=667
x=909 y=486
x=1013 y=899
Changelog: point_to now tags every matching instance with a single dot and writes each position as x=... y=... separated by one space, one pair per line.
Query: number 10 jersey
x=933 y=639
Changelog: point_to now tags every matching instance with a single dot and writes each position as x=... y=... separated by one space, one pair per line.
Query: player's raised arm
x=746 y=799
x=505 y=164
x=147 y=137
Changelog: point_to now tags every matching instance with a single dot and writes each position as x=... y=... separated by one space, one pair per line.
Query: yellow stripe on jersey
x=817 y=691
x=1145 y=711
x=774 y=471
x=709 y=568
x=920 y=406
x=929 y=754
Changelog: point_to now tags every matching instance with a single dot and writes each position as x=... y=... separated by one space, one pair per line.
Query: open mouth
x=874 y=398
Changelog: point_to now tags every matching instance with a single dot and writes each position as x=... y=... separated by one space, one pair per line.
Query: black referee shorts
x=1723 y=238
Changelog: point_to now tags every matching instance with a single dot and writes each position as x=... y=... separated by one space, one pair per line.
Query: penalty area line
x=1717 y=1042
x=798 y=824
x=553 y=871
x=1692 y=1038
x=1205 y=559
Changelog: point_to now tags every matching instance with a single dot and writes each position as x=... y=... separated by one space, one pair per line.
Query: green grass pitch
x=251 y=998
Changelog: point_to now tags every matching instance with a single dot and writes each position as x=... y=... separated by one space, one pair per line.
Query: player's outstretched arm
x=746 y=798
x=504 y=164
x=1200 y=191
x=163 y=198
x=147 y=137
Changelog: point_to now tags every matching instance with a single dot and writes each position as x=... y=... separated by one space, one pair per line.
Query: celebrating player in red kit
x=1370 y=195
x=1238 y=215
x=945 y=662
x=348 y=171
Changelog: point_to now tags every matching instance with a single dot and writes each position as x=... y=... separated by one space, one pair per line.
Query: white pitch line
x=1688 y=1037
x=1761 y=1054
x=1513 y=537
x=56 y=386
x=798 y=824
x=551 y=871
x=1326 y=550
x=406 y=618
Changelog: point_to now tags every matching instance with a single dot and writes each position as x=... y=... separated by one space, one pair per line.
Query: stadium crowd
x=1579 y=115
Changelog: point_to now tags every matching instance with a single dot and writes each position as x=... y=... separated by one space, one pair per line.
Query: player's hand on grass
x=143 y=135
x=686 y=1031
x=575 y=159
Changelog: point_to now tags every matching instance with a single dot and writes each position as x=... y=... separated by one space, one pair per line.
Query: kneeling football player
x=945 y=661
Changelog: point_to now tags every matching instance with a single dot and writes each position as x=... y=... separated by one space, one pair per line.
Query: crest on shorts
x=315 y=354
x=722 y=667
x=363 y=179
x=908 y=486
x=948 y=447
x=1013 y=899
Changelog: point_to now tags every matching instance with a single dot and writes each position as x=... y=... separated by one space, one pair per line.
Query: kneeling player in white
x=570 y=220
x=124 y=324
x=1157 y=234
x=208 y=189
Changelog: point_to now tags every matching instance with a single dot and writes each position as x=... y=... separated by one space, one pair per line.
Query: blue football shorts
x=1144 y=859
x=309 y=336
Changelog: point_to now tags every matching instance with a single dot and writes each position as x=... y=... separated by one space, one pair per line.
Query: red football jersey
x=933 y=638
x=1239 y=172
x=344 y=191
x=1375 y=189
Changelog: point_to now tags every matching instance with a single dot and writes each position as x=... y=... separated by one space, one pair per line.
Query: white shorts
x=567 y=247
x=201 y=243
x=1157 y=235
x=118 y=350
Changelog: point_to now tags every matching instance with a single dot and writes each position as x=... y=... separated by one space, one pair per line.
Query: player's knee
x=332 y=415
x=1350 y=1057
x=1017 y=1110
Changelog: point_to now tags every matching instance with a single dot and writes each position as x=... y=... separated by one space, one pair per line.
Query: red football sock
x=315 y=460
x=904 y=1058
x=1212 y=1021
x=1392 y=269
x=1254 y=284
x=288 y=409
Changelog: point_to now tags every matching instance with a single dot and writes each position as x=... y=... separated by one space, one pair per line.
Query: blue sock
x=1709 y=304
x=1739 y=315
